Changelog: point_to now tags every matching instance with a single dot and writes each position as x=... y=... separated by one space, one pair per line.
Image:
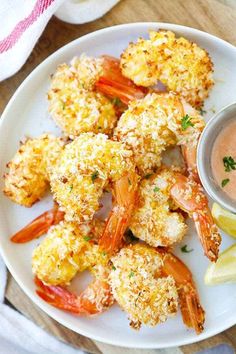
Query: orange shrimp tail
x=208 y=234
x=189 y=196
x=125 y=192
x=38 y=226
x=192 y=312
x=113 y=84
x=94 y=299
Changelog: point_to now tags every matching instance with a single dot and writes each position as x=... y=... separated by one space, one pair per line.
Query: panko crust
x=144 y=128
x=181 y=65
x=74 y=105
x=139 y=288
x=67 y=249
x=84 y=169
x=28 y=177
x=154 y=220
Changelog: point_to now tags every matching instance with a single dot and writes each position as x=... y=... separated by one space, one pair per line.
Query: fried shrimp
x=74 y=105
x=28 y=177
x=69 y=249
x=154 y=219
x=148 y=285
x=156 y=122
x=84 y=170
x=181 y=65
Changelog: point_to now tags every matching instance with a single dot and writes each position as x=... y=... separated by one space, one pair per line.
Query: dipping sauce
x=223 y=160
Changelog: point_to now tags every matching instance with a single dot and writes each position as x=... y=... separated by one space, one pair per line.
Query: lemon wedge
x=224 y=219
x=224 y=270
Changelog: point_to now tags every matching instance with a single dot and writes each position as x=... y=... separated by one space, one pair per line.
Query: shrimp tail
x=94 y=299
x=39 y=226
x=192 y=312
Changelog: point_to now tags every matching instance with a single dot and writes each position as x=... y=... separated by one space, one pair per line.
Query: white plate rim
x=152 y=345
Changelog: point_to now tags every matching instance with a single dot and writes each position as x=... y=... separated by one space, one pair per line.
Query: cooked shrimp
x=154 y=219
x=28 y=176
x=158 y=121
x=84 y=169
x=73 y=103
x=148 y=284
x=69 y=249
x=181 y=65
x=189 y=196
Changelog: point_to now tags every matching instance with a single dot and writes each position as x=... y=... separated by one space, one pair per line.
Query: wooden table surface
x=217 y=17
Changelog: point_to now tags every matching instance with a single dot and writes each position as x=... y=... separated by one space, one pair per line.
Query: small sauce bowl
x=215 y=125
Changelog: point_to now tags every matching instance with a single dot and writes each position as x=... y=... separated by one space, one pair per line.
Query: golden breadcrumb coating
x=181 y=65
x=67 y=249
x=143 y=127
x=73 y=104
x=83 y=170
x=27 y=179
x=139 y=288
x=153 y=220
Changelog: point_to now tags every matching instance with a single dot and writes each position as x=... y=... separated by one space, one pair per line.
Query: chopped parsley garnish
x=148 y=175
x=186 y=122
x=104 y=253
x=224 y=182
x=87 y=238
x=129 y=181
x=63 y=105
x=70 y=188
x=229 y=163
x=116 y=101
x=131 y=274
x=94 y=175
x=156 y=189
x=113 y=268
x=202 y=111
x=185 y=250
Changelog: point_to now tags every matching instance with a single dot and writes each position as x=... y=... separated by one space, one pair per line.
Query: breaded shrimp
x=28 y=177
x=154 y=220
x=148 y=284
x=73 y=103
x=70 y=248
x=84 y=169
x=181 y=65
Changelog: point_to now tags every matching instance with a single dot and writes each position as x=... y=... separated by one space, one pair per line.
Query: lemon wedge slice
x=224 y=219
x=224 y=270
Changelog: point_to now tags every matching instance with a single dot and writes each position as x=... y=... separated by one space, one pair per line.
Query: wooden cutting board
x=213 y=16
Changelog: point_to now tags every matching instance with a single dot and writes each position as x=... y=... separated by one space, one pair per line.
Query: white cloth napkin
x=22 y=23
x=18 y=335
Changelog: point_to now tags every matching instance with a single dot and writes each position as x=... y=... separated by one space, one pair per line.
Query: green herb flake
x=116 y=101
x=148 y=175
x=87 y=238
x=156 y=189
x=186 y=122
x=229 y=163
x=70 y=188
x=94 y=175
x=131 y=274
x=113 y=268
x=104 y=253
x=185 y=250
x=129 y=181
x=63 y=105
x=224 y=182
x=202 y=111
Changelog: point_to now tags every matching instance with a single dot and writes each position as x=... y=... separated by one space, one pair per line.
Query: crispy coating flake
x=143 y=127
x=83 y=170
x=67 y=249
x=154 y=220
x=73 y=104
x=181 y=65
x=28 y=176
x=138 y=287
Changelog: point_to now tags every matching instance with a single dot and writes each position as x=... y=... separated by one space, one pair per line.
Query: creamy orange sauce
x=225 y=146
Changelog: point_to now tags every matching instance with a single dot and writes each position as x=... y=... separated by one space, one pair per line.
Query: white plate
x=26 y=114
